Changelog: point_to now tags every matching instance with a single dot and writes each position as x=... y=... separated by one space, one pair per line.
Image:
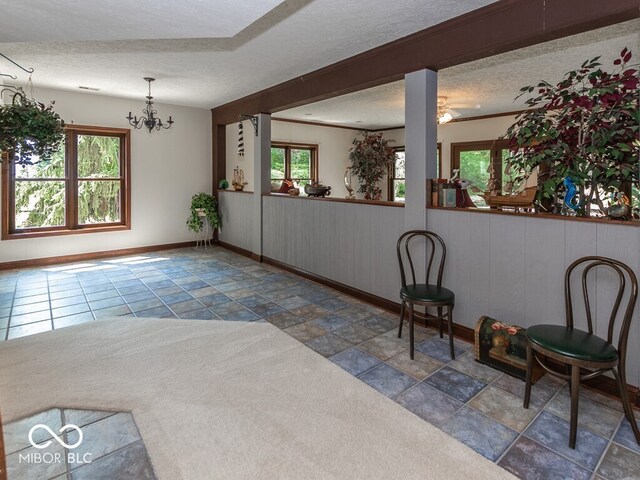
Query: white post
x=421 y=101
x=261 y=177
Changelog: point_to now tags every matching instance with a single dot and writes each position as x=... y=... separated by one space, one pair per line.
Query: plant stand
x=204 y=236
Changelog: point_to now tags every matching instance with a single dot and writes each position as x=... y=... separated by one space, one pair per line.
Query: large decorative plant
x=586 y=128
x=205 y=203
x=29 y=129
x=371 y=158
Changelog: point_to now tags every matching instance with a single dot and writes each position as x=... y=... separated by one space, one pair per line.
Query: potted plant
x=29 y=129
x=203 y=205
x=582 y=131
x=371 y=158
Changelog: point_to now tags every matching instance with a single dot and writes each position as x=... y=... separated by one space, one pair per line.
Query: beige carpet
x=230 y=400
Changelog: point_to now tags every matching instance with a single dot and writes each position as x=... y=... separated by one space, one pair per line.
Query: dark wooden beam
x=496 y=28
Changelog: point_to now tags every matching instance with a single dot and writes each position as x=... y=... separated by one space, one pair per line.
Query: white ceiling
x=294 y=38
x=478 y=88
x=81 y=20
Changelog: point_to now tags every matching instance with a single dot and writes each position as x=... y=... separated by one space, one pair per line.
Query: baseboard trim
x=42 y=262
x=238 y=250
x=354 y=292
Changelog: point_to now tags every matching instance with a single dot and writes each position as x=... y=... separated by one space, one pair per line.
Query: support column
x=261 y=179
x=421 y=101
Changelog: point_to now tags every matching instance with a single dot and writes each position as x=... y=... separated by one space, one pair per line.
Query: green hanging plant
x=29 y=129
x=206 y=203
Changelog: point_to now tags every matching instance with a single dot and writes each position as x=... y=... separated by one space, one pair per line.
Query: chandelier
x=149 y=119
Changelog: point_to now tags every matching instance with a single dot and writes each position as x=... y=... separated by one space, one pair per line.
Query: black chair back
x=433 y=243
x=627 y=281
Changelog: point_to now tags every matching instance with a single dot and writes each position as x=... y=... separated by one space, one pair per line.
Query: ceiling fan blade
x=454 y=113
x=466 y=106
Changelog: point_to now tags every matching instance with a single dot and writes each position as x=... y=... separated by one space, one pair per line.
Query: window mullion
x=71 y=165
x=287 y=162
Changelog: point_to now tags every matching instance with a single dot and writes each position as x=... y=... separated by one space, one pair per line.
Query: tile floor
x=111 y=447
x=477 y=405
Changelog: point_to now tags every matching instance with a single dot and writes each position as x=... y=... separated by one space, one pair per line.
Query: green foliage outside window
x=40 y=193
x=98 y=201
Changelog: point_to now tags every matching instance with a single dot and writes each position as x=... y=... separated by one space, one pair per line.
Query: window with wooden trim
x=473 y=160
x=293 y=161
x=84 y=187
x=397 y=185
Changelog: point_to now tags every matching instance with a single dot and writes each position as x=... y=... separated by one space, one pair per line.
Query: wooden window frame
x=392 y=171
x=288 y=146
x=71 y=227
x=392 y=175
x=494 y=146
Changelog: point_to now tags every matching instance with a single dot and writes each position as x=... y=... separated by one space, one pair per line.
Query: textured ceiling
x=477 y=88
x=79 y=20
x=294 y=38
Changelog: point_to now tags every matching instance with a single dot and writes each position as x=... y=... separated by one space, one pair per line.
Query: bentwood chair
x=583 y=353
x=424 y=294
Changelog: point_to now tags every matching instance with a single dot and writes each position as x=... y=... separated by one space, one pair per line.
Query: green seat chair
x=413 y=244
x=584 y=354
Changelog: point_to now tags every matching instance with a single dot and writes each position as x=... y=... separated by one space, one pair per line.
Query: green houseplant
x=371 y=158
x=205 y=203
x=585 y=128
x=29 y=129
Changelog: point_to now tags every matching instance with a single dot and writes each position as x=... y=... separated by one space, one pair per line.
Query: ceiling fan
x=445 y=111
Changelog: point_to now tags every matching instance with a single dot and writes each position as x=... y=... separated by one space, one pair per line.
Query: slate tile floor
x=111 y=447
x=475 y=404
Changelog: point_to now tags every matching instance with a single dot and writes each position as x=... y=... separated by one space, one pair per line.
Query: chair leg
x=529 y=377
x=440 y=321
x=628 y=410
x=411 y=331
x=575 y=392
x=450 y=328
x=401 y=318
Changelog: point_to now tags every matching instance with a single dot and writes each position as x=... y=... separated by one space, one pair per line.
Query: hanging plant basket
x=30 y=131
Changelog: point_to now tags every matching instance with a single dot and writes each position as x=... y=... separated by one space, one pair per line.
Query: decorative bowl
x=317 y=191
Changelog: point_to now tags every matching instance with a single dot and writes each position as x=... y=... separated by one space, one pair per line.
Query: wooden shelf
x=493 y=211
x=234 y=191
x=338 y=200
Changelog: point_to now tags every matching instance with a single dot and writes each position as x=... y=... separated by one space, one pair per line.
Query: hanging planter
x=30 y=131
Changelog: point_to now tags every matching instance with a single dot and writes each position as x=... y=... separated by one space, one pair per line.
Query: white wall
x=333 y=149
x=167 y=168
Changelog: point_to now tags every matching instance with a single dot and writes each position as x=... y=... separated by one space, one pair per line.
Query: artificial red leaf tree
x=585 y=127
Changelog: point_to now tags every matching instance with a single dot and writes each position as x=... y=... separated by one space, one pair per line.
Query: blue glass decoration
x=571 y=198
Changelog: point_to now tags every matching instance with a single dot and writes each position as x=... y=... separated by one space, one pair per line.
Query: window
x=397 y=175
x=295 y=162
x=473 y=160
x=85 y=187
